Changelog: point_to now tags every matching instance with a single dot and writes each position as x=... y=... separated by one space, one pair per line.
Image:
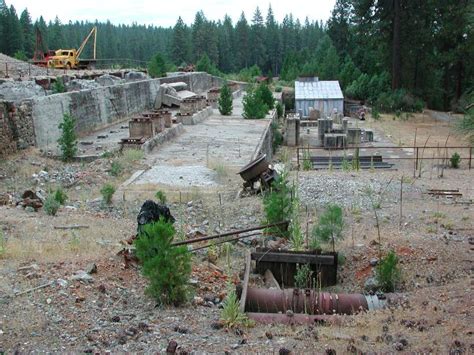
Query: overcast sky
x=165 y=13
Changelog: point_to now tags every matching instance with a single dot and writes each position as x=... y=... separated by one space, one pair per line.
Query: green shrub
x=465 y=126
x=356 y=160
x=2 y=243
x=116 y=168
x=265 y=95
x=68 y=139
x=375 y=113
x=107 y=192
x=225 y=100
x=278 y=89
x=345 y=166
x=296 y=235
x=131 y=155
x=307 y=163
x=277 y=204
x=60 y=196
x=51 y=205
x=58 y=86
x=387 y=272
x=455 y=160
x=161 y=196
x=166 y=267
x=304 y=276
x=249 y=74
x=277 y=136
x=206 y=65
x=398 y=100
x=279 y=108
x=21 y=55
x=253 y=106
x=330 y=225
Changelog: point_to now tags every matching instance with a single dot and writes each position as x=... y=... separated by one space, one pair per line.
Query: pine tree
x=157 y=66
x=253 y=106
x=28 y=36
x=242 y=41
x=257 y=38
x=68 y=139
x=225 y=100
x=180 y=50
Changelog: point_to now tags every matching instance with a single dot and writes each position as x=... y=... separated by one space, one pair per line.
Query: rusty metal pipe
x=309 y=302
x=226 y=234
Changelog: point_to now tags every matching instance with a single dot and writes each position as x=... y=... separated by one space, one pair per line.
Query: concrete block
x=353 y=135
x=335 y=140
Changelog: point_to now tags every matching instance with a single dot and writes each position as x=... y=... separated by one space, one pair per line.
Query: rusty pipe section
x=309 y=301
x=294 y=319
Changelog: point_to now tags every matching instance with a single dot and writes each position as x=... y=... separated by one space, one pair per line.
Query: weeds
x=116 y=168
x=356 y=160
x=166 y=267
x=60 y=196
x=107 y=192
x=345 y=166
x=161 y=196
x=231 y=315
x=296 y=236
x=277 y=204
x=51 y=205
x=455 y=160
x=131 y=155
x=304 y=276
x=307 y=163
x=2 y=243
x=388 y=273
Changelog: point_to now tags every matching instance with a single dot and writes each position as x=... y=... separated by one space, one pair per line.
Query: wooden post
x=298 y=157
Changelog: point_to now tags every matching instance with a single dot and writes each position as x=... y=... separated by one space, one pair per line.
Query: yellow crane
x=70 y=58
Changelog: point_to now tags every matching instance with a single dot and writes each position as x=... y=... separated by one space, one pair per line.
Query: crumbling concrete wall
x=16 y=127
x=198 y=82
x=265 y=146
x=93 y=109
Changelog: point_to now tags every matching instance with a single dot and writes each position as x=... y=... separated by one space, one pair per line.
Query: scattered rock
x=374 y=262
x=217 y=325
x=181 y=330
x=269 y=335
x=171 y=348
x=115 y=319
x=91 y=268
x=83 y=276
x=371 y=284
x=284 y=351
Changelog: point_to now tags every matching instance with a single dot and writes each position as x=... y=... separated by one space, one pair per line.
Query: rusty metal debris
x=293 y=319
x=258 y=170
x=310 y=301
x=31 y=199
x=444 y=192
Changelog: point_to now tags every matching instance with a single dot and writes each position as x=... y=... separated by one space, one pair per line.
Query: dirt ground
x=433 y=238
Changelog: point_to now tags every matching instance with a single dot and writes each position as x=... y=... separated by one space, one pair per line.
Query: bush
x=131 y=155
x=307 y=163
x=398 y=100
x=107 y=192
x=279 y=108
x=116 y=168
x=330 y=225
x=225 y=100
x=166 y=267
x=51 y=205
x=387 y=272
x=205 y=64
x=375 y=113
x=455 y=160
x=249 y=74
x=296 y=235
x=277 y=204
x=160 y=196
x=60 y=196
x=278 y=89
x=277 y=136
x=466 y=125
x=68 y=139
x=253 y=106
x=265 y=95
x=58 y=86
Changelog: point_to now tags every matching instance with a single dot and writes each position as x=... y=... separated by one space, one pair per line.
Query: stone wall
x=265 y=146
x=93 y=109
x=16 y=127
x=198 y=82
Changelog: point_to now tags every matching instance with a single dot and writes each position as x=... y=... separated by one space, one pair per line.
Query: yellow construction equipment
x=70 y=58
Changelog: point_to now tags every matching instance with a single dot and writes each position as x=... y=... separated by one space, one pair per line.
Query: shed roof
x=314 y=90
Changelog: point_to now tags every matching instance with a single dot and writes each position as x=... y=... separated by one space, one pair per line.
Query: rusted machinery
x=258 y=170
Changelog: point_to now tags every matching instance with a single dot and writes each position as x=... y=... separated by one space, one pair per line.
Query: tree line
x=392 y=53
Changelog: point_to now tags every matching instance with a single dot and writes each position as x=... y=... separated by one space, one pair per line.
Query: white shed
x=324 y=96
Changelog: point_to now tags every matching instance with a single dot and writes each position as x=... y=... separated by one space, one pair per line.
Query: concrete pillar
x=353 y=135
x=292 y=130
x=345 y=124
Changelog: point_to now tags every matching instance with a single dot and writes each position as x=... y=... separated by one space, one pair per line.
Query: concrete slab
x=193 y=158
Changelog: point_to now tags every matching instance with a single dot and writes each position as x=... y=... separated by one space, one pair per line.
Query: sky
x=165 y=13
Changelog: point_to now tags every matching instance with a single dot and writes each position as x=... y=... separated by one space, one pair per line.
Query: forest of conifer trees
x=381 y=51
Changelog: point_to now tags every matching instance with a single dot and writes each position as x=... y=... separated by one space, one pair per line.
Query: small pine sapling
x=68 y=139
x=225 y=100
x=330 y=226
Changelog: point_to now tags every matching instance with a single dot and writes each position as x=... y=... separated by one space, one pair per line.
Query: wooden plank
x=243 y=298
x=292 y=258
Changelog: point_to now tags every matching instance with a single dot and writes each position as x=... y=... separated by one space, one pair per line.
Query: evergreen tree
x=157 y=66
x=28 y=36
x=180 y=51
x=273 y=42
x=257 y=38
x=242 y=41
x=253 y=106
x=225 y=100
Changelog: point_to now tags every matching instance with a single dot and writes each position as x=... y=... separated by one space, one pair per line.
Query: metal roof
x=316 y=90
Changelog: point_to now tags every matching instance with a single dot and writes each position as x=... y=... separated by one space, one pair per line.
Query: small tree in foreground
x=107 y=192
x=330 y=225
x=225 y=100
x=387 y=272
x=68 y=139
x=166 y=267
x=278 y=205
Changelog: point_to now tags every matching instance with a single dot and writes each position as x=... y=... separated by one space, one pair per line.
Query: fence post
x=6 y=70
x=470 y=157
x=298 y=157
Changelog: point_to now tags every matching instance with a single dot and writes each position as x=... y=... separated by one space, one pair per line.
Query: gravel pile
x=348 y=190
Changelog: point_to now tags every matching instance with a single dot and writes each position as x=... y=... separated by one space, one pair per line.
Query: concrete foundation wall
x=16 y=127
x=265 y=146
x=93 y=109
x=198 y=82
